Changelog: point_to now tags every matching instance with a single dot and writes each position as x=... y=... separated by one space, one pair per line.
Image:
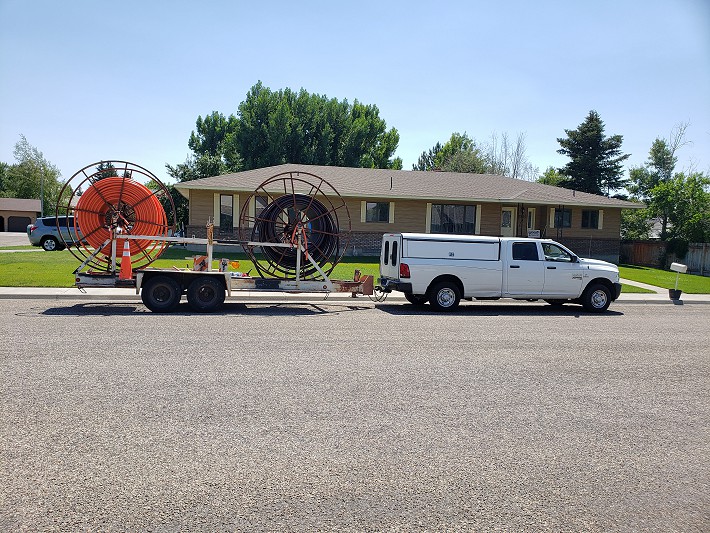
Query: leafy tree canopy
x=552 y=176
x=31 y=176
x=595 y=164
x=276 y=127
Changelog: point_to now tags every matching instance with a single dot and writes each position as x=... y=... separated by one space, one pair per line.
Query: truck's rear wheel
x=444 y=296
x=415 y=299
x=205 y=294
x=596 y=298
x=161 y=294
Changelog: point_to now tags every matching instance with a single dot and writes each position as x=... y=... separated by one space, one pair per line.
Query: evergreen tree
x=595 y=164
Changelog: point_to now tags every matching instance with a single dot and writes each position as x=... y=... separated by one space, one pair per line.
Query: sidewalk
x=129 y=295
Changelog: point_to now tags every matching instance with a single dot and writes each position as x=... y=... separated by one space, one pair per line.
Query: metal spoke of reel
x=106 y=198
x=295 y=206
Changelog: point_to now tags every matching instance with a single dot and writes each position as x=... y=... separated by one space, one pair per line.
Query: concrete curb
x=129 y=295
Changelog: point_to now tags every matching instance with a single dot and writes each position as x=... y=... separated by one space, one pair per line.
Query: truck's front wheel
x=596 y=298
x=444 y=296
x=161 y=294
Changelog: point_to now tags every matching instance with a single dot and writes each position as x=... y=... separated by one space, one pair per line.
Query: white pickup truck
x=443 y=269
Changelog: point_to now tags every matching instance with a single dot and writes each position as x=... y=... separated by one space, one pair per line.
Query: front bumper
x=617 y=291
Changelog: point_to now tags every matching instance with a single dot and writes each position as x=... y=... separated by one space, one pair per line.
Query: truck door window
x=525 y=251
x=555 y=253
x=387 y=252
x=394 y=253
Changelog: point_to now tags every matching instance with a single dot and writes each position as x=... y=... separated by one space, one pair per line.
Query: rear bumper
x=389 y=285
x=617 y=291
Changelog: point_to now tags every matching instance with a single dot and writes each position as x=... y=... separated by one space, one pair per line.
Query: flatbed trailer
x=161 y=289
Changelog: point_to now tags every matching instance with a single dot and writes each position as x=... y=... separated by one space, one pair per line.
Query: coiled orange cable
x=126 y=206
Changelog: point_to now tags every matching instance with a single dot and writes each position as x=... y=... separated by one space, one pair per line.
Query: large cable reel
x=294 y=211
x=111 y=198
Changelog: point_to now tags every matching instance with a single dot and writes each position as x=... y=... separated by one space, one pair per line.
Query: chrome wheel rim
x=446 y=297
x=599 y=299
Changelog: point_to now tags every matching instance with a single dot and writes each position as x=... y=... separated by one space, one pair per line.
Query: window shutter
x=601 y=219
x=427 y=229
x=552 y=217
x=363 y=211
x=477 y=229
x=216 y=209
x=236 y=211
x=391 y=212
x=252 y=211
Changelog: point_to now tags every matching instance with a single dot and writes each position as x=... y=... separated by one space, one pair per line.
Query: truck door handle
x=514 y=266
x=551 y=268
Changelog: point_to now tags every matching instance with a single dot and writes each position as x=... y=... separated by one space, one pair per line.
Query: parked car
x=45 y=232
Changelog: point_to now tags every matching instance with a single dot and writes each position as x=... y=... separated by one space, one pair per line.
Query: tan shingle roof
x=412 y=184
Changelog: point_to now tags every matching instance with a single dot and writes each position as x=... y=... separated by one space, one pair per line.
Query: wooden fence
x=652 y=254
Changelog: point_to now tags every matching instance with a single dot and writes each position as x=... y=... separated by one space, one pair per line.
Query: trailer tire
x=596 y=298
x=445 y=296
x=415 y=299
x=205 y=294
x=161 y=294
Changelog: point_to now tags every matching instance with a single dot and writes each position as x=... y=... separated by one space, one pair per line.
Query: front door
x=524 y=273
x=563 y=274
x=507 y=222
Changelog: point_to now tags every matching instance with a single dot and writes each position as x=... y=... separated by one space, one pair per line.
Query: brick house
x=382 y=200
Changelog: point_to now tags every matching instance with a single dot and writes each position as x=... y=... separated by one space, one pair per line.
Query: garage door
x=18 y=223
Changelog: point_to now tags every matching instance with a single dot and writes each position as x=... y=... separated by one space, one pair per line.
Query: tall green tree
x=644 y=181
x=552 y=176
x=32 y=176
x=459 y=154
x=276 y=127
x=686 y=199
x=595 y=164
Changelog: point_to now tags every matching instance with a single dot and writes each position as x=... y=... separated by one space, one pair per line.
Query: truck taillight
x=403 y=270
x=32 y=228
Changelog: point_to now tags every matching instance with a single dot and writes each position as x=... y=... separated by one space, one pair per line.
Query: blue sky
x=90 y=80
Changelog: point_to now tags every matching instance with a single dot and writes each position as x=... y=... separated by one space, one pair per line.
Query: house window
x=226 y=212
x=590 y=219
x=377 y=212
x=563 y=218
x=447 y=218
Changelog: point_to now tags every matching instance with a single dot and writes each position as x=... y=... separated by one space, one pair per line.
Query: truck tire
x=161 y=294
x=596 y=298
x=445 y=296
x=205 y=294
x=415 y=299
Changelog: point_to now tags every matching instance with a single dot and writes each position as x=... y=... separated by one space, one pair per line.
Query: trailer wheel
x=596 y=298
x=161 y=294
x=444 y=296
x=415 y=299
x=205 y=294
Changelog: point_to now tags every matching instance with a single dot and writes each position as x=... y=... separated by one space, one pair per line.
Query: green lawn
x=633 y=288
x=665 y=279
x=54 y=269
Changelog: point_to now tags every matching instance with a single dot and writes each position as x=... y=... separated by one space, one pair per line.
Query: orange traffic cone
x=126 y=269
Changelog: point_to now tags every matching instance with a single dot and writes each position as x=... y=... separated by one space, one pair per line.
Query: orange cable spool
x=127 y=206
x=120 y=204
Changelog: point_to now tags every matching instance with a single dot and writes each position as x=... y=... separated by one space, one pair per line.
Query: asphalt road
x=354 y=417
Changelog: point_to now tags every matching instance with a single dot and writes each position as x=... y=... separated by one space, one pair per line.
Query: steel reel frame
x=118 y=215
x=301 y=206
